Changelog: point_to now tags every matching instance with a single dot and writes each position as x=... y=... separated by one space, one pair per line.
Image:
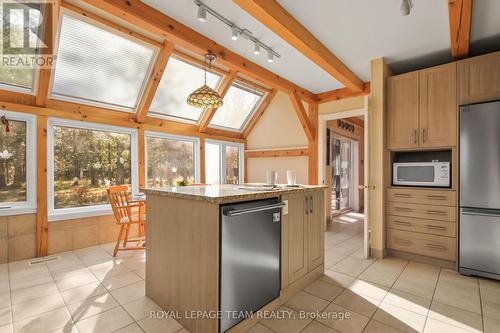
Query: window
x=18 y=164
x=19 y=78
x=97 y=66
x=223 y=162
x=239 y=104
x=179 y=80
x=171 y=160
x=84 y=159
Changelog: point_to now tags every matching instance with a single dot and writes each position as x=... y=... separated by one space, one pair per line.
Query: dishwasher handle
x=236 y=212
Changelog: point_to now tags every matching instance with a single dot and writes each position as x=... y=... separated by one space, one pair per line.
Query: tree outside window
x=13 y=163
x=86 y=162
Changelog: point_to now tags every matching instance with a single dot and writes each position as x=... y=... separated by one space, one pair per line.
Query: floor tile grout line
x=481 y=305
x=432 y=299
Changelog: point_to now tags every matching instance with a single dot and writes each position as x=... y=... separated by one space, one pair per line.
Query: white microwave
x=432 y=174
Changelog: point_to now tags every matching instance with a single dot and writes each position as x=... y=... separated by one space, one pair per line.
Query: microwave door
x=415 y=175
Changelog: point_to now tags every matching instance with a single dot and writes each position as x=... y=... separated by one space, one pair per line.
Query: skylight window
x=95 y=65
x=179 y=80
x=239 y=103
x=12 y=19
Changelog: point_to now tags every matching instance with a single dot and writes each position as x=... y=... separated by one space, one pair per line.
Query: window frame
x=84 y=101
x=30 y=205
x=173 y=137
x=196 y=64
x=86 y=211
x=222 y=158
x=253 y=90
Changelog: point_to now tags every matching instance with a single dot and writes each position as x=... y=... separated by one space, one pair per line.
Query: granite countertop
x=228 y=193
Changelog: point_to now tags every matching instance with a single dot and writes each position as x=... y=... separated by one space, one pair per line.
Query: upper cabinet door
x=479 y=79
x=438 y=106
x=402 y=111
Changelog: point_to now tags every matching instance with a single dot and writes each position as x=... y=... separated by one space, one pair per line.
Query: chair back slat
x=119 y=200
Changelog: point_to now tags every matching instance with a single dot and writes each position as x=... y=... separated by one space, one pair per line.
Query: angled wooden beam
x=222 y=90
x=356 y=121
x=342 y=93
x=50 y=38
x=258 y=113
x=302 y=115
x=282 y=23
x=266 y=153
x=145 y=17
x=460 y=15
x=153 y=81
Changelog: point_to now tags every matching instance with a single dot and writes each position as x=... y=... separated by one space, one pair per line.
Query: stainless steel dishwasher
x=250 y=239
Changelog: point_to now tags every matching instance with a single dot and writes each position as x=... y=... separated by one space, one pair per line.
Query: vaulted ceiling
x=356 y=31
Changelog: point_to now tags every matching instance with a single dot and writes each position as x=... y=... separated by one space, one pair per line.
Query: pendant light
x=205 y=97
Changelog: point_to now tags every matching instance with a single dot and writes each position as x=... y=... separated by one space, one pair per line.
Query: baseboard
x=422 y=259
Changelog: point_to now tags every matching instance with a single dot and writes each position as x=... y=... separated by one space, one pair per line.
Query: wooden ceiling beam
x=222 y=90
x=153 y=82
x=342 y=93
x=282 y=23
x=53 y=9
x=154 y=21
x=302 y=115
x=294 y=152
x=460 y=16
x=258 y=113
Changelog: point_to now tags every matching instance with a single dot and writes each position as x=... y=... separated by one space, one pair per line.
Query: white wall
x=278 y=128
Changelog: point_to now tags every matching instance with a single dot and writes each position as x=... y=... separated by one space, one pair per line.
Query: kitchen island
x=191 y=249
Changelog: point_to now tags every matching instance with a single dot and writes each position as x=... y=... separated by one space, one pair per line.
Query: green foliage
x=13 y=162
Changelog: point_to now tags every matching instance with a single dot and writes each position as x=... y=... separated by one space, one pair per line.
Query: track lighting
x=256 y=49
x=235 y=33
x=406 y=6
x=202 y=14
x=270 y=56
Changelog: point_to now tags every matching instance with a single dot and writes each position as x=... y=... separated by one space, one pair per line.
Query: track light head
x=256 y=49
x=406 y=6
x=270 y=56
x=235 y=33
x=202 y=14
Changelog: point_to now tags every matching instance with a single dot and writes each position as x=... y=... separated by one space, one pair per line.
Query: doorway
x=343 y=166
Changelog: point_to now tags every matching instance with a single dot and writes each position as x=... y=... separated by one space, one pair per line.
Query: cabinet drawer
x=441 y=213
x=423 y=244
x=432 y=227
x=427 y=197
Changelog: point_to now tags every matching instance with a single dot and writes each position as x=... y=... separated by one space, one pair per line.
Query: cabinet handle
x=402 y=223
x=307 y=205
x=436 y=247
x=403 y=241
x=436 y=197
x=415 y=136
x=436 y=227
x=402 y=195
x=311 y=204
x=436 y=212
x=424 y=131
x=402 y=209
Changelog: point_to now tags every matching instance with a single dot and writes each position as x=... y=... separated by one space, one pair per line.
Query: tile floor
x=89 y=291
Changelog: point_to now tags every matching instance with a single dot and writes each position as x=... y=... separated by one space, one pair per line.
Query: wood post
x=41 y=186
x=313 y=144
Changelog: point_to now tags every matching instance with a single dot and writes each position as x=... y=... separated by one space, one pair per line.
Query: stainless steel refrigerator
x=479 y=242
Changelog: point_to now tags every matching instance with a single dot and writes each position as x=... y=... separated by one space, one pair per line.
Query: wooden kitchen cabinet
x=479 y=79
x=296 y=228
x=422 y=108
x=402 y=110
x=316 y=232
x=438 y=106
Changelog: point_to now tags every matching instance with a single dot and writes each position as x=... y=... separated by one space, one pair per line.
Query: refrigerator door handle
x=480 y=212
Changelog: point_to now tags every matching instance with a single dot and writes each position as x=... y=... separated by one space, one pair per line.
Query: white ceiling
x=356 y=31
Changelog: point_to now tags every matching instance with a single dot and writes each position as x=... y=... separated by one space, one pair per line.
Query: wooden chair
x=123 y=210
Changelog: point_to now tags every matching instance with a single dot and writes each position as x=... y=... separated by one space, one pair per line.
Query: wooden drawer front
x=441 y=213
x=427 y=197
x=432 y=227
x=423 y=244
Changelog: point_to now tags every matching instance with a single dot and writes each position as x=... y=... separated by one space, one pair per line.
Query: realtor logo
x=23 y=25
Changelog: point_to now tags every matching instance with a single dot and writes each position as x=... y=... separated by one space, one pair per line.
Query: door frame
x=323 y=118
